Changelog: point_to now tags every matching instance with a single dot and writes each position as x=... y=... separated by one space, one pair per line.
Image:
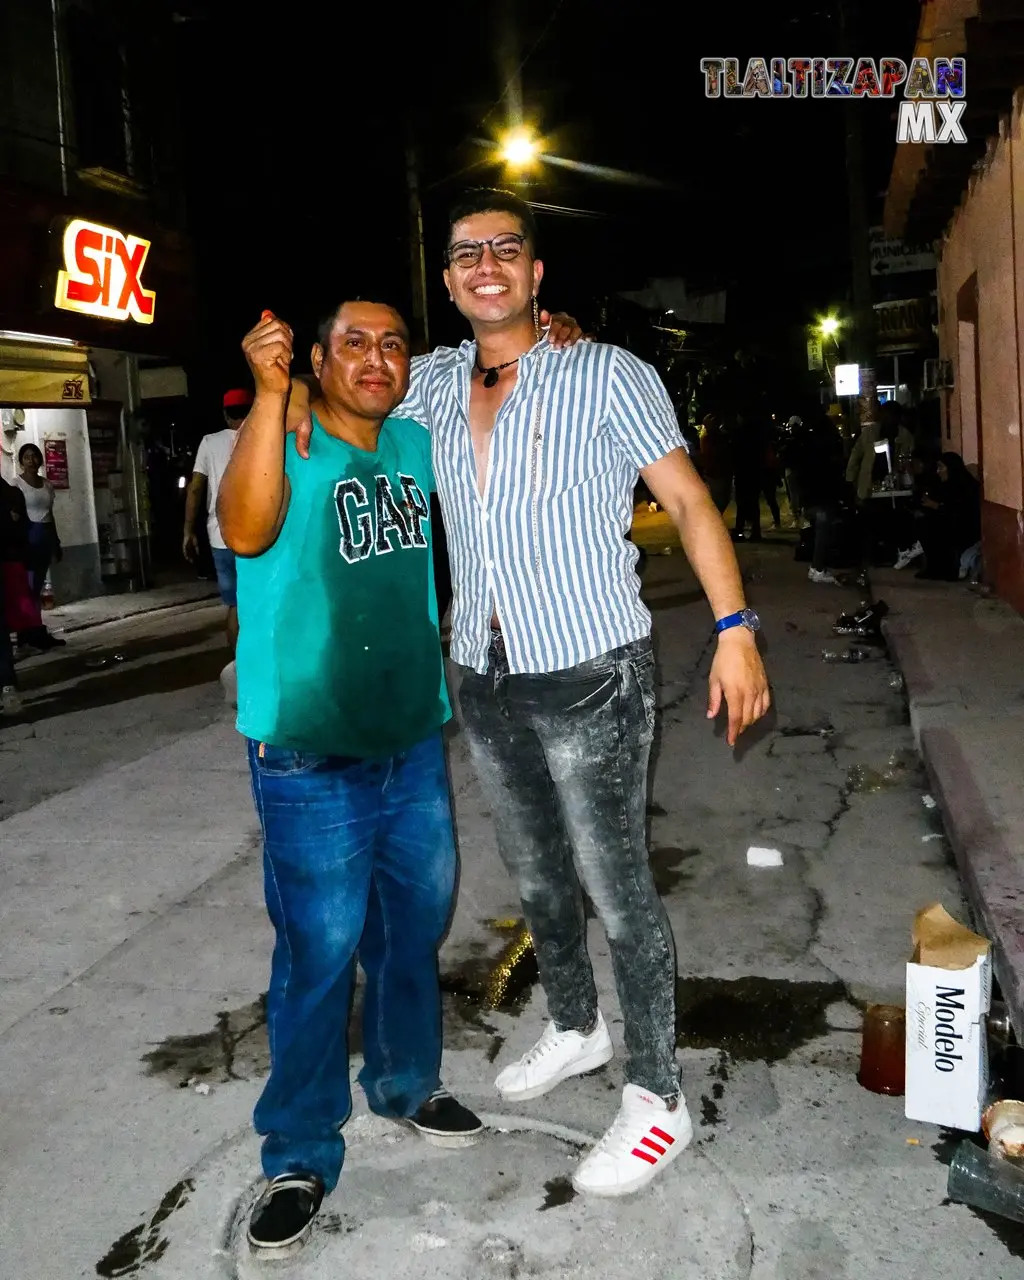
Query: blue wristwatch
x=745 y=618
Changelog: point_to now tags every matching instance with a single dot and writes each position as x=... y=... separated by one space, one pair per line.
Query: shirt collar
x=467 y=351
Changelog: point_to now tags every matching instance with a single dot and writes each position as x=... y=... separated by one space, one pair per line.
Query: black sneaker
x=283 y=1216
x=445 y=1122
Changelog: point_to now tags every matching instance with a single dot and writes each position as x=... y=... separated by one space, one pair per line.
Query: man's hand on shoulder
x=299 y=417
x=562 y=329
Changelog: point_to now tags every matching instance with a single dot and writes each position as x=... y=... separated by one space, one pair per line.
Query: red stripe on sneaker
x=654 y=1146
x=660 y=1133
x=644 y=1155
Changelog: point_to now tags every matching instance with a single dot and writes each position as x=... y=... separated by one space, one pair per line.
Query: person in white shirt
x=211 y=462
x=43 y=543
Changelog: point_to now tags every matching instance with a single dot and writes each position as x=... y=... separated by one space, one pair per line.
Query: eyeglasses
x=467 y=253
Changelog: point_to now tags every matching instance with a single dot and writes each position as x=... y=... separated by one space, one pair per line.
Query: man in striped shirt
x=536 y=452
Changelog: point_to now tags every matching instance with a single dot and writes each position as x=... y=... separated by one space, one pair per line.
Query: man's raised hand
x=268 y=350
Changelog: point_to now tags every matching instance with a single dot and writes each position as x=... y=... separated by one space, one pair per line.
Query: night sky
x=295 y=136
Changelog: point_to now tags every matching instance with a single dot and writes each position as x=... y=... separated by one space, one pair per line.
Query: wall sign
x=847 y=379
x=102 y=274
x=55 y=456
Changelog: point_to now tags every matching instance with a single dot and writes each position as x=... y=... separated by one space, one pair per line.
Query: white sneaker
x=822 y=576
x=907 y=557
x=645 y=1137
x=10 y=700
x=555 y=1057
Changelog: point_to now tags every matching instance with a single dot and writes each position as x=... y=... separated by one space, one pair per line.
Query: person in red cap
x=211 y=462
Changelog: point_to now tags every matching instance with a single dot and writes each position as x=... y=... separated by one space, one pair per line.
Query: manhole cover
x=505 y=1208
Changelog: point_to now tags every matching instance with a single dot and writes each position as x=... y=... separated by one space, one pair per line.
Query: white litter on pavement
x=929 y=802
x=935 y=835
x=757 y=857
x=203 y=1089
x=423 y=1240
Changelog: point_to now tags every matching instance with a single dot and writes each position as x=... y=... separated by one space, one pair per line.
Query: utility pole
x=860 y=250
x=417 y=252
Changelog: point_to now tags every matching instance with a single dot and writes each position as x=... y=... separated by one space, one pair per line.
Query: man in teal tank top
x=342 y=697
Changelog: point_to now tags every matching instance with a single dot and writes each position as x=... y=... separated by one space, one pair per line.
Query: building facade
x=97 y=294
x=969 y=199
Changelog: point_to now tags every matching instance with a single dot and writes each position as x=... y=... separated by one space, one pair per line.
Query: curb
x=988 y=867
x=182 y=605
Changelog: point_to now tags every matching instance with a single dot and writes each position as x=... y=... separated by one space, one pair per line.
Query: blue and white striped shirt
x=545 y=545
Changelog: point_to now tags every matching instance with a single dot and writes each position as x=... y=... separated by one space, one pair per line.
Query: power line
x=564 y=209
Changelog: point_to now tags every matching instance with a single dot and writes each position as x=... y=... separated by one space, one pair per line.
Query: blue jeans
x=359 y=862
x=824 y=518
x=562 y=759
x=42 y=547
x=227 y=575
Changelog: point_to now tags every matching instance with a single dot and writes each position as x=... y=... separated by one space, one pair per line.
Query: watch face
x=751 y=620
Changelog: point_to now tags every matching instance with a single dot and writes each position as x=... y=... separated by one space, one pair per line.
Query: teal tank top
x=339 y=649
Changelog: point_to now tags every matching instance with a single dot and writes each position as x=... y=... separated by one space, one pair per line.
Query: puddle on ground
x=236 y=1049
x=752 y=1019
x=559 y=1191
x=902 y=767
x=665 y=864
x=820 y=729
x=144 y=1243
x=504 y=984
x=719 y=1072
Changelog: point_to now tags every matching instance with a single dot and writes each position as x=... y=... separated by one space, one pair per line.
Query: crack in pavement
x=688 y=678
x=744 y=1211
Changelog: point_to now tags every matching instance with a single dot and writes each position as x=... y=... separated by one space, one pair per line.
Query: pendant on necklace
x=490 y=377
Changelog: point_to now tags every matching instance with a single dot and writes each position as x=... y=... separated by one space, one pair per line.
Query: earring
x=536 y=319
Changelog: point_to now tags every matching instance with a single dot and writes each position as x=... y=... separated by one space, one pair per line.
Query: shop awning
x=36 y=374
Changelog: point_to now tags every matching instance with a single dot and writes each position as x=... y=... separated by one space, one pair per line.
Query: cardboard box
x=949 y=991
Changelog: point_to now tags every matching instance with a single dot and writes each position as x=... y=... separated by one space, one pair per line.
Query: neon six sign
x=102 y=274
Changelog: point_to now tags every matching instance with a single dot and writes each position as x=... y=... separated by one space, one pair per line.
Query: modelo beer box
x=949 y=990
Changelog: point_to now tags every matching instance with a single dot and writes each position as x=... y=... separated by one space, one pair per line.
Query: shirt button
x=486 y=517
x=490 y=564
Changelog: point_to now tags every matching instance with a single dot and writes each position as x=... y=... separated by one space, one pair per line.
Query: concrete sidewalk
x=98 y=610
x=962 y=658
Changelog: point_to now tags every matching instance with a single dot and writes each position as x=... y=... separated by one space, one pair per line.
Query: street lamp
x=828 y=326
x=519 y=150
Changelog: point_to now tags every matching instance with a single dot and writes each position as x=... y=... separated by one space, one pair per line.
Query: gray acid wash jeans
x=562 y=759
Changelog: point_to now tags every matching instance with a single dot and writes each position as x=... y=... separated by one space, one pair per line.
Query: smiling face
x=492 y=293
x=364 y=368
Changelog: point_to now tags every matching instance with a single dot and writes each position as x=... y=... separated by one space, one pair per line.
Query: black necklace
x=491 y=374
